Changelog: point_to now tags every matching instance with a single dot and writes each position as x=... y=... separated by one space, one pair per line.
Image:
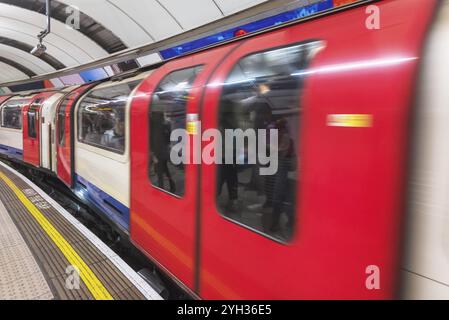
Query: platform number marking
x=36 y=199
x=29 y=192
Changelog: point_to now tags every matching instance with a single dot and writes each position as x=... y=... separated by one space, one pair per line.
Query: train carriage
x=11 y=129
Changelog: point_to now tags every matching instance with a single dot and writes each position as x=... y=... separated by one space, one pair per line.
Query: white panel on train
x=100 y=159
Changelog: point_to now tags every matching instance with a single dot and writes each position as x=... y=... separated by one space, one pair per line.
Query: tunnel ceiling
x=106 y=26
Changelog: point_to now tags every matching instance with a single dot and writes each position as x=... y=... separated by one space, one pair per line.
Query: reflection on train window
x=168 y=113
x=32 y=118
x=61 y=121
x=263 y=92
x=102 y=117
x=12 y=114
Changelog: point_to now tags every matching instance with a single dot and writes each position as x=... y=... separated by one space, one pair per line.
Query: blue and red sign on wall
x=254 y=26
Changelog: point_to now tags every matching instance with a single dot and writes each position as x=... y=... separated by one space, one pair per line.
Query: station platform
x=45 y=253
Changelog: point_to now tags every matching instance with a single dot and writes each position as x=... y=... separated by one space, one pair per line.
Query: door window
x=168 y=113
x=61 y=121
x=263 y=94
x=32 y=121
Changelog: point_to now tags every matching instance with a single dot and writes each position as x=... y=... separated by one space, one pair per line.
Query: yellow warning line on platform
x=94 y=285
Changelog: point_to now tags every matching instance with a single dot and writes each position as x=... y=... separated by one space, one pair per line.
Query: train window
x=61 y=121
x=12 y=114
x=262 y=93
x=102 y=117
x=32 y=117
x=168 y=113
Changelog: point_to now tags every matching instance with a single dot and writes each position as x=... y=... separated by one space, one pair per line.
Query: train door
x=64 y=135
x=48 y=111
x=31 y=129
x=164 y=192
x=324 y=214
x=248 y=216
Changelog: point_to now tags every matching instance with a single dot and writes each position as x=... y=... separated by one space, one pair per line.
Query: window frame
x=99 y=149
x=22 y=103
x=102 y=147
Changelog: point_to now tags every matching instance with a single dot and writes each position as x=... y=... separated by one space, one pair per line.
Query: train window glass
x=263 y=93
x=32 y=118
x=168 y=113
x=61 y=121
x=61 y=130
x=32 y=115
x=102 y=117
x=12 y=114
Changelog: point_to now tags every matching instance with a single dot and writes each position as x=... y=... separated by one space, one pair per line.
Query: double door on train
x=214 y=226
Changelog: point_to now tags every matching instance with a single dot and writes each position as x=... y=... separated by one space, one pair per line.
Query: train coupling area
x=45 y=253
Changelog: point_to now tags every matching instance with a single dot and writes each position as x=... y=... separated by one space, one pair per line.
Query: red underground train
x=343 y=96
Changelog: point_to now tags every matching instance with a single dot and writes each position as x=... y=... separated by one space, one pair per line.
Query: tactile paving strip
x=53 y=263
x=20 y=275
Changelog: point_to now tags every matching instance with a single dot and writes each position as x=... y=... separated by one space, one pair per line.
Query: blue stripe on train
x=114 y=209
x=12 y=152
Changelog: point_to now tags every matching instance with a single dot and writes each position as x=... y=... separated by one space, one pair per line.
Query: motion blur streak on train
x=360 y=113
